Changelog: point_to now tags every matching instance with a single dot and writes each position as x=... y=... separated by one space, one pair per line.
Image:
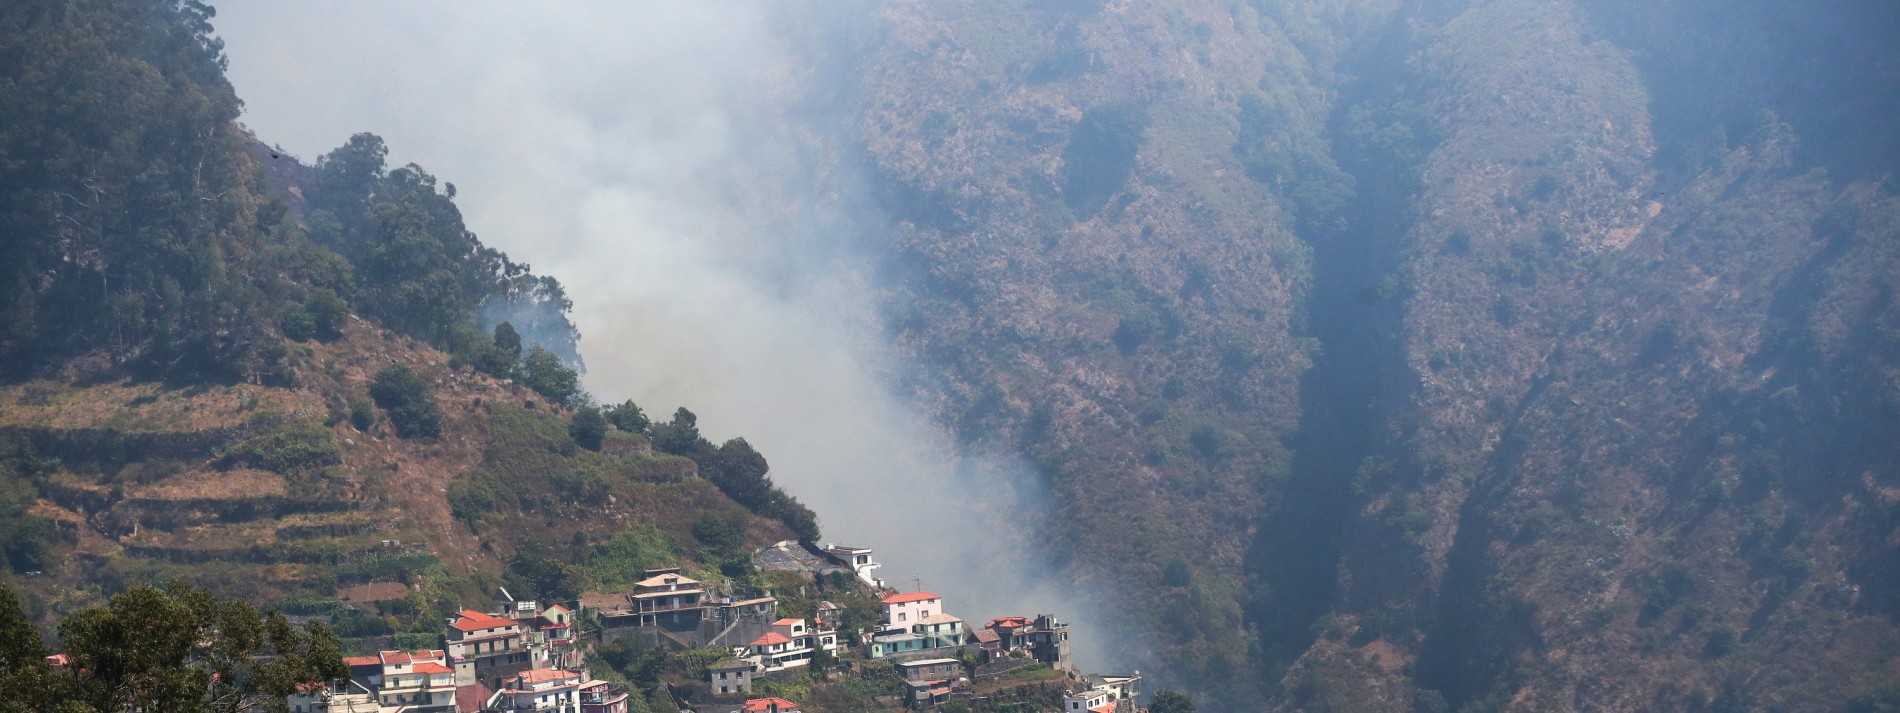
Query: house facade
x=789 y=644
x=857 y=559
x=484 y=648
x=1044 y=637
x=389 y=682
x=603 y=697
x=932 y=635
x=668 y=598
x=1105 y=694
x=732 y=677
x=543 y=690
x=902 y=610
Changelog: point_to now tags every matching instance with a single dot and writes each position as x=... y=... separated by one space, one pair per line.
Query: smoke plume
x=618 y=147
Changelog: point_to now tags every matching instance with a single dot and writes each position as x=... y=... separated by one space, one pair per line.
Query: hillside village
x=872 y=648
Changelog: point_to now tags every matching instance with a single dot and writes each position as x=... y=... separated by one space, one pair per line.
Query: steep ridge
x=1089 y=277
x=1575 y=364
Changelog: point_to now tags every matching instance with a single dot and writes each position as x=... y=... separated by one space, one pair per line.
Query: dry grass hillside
x=272 y=493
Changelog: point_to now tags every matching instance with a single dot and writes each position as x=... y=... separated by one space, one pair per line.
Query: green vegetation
x=1170 y=702
x=542 y=371
x=738 y=470
x=287 y=448
x=1100 y=155
x=618 y=563
x=409 y=401
x=588 y=427
x=420 y=270
x=173 y=649
x=628 y=417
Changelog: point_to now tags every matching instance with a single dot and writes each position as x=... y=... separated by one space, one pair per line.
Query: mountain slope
x=1432 y=355
x=224 y=366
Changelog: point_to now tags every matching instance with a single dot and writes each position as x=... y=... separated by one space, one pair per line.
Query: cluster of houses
x=523 y=656
x=926 y=644
x=520 y=658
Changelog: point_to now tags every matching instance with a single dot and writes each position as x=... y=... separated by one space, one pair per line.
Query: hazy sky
x=584 y=138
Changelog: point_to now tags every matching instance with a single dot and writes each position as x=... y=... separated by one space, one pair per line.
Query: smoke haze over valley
x=1401 y=356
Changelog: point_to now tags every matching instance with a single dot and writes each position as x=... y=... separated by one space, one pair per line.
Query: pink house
x=903 y=610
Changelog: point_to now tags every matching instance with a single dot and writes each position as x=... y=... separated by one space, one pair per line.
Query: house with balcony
x=484 y=648
x=391 y=681
x=904 y=609
x=603 y=697
x=549 y=634
x=933 y=635
x=348 y=694
x=669 y=599
x=543 y=690
x=789 y=644
x=419 y=682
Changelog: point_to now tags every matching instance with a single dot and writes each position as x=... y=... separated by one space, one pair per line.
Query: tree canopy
x=172 y=649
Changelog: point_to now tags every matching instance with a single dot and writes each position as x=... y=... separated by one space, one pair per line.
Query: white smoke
x=599 y=141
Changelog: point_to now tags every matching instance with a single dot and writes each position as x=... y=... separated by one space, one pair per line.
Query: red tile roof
x=770 y=638
x=432 y=667
x=394 y=658
x=1013 y=622
x=781 y=705
x=476 y=621
x=788 y=622
x=987 y=636
x=362 y=661
x=539 y=675
x=472 y=697
x=1104 y=708
x=910 y=597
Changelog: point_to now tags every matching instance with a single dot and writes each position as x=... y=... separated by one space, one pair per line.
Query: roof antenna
x=918 y=582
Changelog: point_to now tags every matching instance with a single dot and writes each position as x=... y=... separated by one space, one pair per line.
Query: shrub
x=298 y=445
x=542 y=371
x=409 y=401
x=628 y=417
x=327 y=312
x=297 y=324
x=362 y=414
x=588 y=427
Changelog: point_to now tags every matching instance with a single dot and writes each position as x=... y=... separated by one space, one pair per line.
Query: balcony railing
x=609 y=695
x=651 y=607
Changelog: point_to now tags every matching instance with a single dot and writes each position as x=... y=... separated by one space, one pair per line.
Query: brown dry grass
x=397 y=483
x=146 y=407
x=238 y=484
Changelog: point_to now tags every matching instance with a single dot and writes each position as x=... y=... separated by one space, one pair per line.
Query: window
x=901 y=616
x=924 y=613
